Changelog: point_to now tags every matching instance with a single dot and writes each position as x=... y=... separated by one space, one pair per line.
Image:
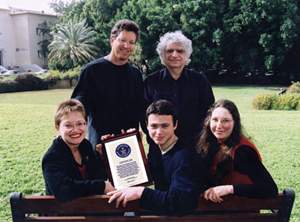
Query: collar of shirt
x=167 y=76
x=169 y=148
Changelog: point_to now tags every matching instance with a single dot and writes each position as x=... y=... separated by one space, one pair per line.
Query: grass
x=26 y=131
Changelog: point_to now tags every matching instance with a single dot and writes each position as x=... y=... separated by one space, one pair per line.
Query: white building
x=19 y=36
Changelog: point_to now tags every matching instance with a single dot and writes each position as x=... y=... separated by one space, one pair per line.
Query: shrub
x=286 y=102
x=29 y=82
x=277 y=102
x=263 y=101
x=8 y=85
x=294 y=88
x=54 y=77
x=73 y=73
x=22 y=82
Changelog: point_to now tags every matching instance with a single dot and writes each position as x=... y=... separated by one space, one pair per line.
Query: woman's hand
x=215 y=194
x=108 y=187
x=125 y=195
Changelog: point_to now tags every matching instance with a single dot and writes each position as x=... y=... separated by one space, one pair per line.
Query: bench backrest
x=96 y=208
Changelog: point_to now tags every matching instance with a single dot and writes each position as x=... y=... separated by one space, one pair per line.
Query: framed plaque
x=126 y=160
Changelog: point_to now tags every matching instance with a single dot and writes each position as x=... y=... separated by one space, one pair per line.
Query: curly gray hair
x=174 y=37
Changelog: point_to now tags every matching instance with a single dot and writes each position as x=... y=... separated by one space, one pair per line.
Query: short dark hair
x=127 y=25
x=161 y=107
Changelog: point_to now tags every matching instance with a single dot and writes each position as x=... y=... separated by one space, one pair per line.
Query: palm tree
x=73 y=43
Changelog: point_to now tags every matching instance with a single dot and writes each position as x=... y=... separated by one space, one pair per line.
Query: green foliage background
x=247 y=36
x=27 y=129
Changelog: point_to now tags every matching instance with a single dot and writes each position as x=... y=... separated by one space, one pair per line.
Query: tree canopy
x=73 y=44
x=231 y=37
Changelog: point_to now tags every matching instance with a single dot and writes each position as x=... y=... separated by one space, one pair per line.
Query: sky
x=36 y=5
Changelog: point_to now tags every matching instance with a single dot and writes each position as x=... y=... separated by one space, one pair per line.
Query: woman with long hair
x=234 y=162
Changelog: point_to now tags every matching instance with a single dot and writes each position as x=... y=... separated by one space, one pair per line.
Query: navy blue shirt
x=112 y=96
x=62 y=176
x=176 y=189
x=191 y=95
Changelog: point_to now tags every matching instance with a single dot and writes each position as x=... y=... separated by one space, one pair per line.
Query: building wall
x=22 y=53
x=33 y=22
x=19 y=38
x=7 y=41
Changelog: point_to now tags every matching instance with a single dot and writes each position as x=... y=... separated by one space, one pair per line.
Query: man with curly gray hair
x=174 y=37
x=188 y=90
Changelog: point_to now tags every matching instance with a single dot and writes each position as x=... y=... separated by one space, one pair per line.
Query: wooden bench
x=95 y=208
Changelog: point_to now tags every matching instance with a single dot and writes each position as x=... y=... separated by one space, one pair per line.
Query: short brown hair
x=127 y=25
x=66 y=107
x=161 y=107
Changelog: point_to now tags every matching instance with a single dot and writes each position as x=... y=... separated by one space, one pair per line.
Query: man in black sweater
x=176 y=190
x=111 y=89
x=188 y=90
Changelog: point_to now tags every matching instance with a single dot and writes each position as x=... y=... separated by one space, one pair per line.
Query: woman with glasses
x=234 y=163
x=71 y=169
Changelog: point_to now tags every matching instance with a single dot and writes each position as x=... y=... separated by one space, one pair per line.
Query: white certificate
x=126 y=160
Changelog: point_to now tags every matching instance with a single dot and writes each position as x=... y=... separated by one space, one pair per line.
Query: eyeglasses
x=76 y=125
x=124 y=41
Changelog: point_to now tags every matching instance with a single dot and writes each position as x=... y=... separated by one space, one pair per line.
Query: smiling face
x=72 y=128
x=175 y=56
x=221 y=123
x=122 y=46
x=161 y=130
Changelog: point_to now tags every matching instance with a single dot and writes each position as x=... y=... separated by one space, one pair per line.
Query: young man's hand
x=108 y=187
x=99 y=147
x=125 y=195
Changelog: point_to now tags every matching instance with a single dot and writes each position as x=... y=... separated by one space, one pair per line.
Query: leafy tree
x=66 y=9
x=258 y=33
x=100 y=15
x=240 y=37
x=43 y=31
x=155 y=18
x=73 y=44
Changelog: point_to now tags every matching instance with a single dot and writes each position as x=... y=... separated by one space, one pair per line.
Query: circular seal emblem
x=123 y=150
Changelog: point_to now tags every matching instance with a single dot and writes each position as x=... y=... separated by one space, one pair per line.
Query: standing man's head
x=161 y=123
x=123 y=38
x=174 y=50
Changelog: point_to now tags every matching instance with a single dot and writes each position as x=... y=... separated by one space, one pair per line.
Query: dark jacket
x=176 y=189
x=244 y=170
x=62 y=176
x=191 y=95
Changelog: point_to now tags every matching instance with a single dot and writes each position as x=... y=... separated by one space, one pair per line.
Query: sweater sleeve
x=82 y=88
x=63 y=186
x=247 y=162
x=181 y=196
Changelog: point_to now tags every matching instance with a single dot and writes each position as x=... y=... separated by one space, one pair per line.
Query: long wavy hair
x=208 y=140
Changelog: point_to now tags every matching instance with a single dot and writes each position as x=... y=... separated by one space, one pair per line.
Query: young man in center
x=176 y=190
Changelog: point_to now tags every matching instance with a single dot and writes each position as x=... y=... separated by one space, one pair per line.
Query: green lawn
x=26 y=131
